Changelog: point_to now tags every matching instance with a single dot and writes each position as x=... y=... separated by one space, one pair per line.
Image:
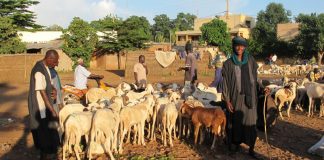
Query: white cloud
x=61 y=12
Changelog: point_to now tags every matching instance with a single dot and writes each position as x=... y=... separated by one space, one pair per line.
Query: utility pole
x=170 y=40
x=227 y=8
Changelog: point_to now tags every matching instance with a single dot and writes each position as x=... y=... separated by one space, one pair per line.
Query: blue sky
x=61 y=12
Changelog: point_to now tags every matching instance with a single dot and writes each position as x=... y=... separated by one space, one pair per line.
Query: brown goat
x=208 y=117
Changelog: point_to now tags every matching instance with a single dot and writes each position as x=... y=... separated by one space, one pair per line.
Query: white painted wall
x=46 y=36
x=39 y=36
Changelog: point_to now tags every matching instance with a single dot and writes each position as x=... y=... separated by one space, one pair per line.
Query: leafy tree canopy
x=311 y=37
x=80 y=40
x=216 y=33
x=264 y=34
x=184 y=21
x=9 y=40
x=18 y=11
x=162 y=27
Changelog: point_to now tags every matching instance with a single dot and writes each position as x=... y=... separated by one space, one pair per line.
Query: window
x=248 y=24
x=181 y=38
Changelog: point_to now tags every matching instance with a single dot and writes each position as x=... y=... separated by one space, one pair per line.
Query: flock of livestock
x=169 y=110
x=286 y=69
x=113 y=113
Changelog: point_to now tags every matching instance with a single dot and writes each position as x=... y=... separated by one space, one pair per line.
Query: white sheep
x=65 y=112
x=135 y=115
x=314 y=90
x=95 y=94
x=173 y=97
x=286 y=95
x=105 y=126
x=134 y=96
x=168 y=118
x=122 y=88
x=206 y=94
x=76 y=125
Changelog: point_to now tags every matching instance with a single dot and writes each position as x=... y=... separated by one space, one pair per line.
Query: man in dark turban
x=240 y=94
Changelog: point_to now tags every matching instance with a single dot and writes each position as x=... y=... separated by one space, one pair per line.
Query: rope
x=265 y=124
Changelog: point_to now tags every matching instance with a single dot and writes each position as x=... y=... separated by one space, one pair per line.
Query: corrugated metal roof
x=55 y=44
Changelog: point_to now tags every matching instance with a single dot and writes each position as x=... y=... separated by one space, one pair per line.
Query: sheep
x=206 y=94
x=184 y=124
x=76 y=125
x=65 y=112
x=286 y=95
x=313 y=90
x=104 y=128
x=285 y=81
x=135 y=115
x=322 y=107
x=168 y=119
x=300 y=98
x=173 y=97
x=208 y=117
x=194 y=102
x=133 y=96
x=95 y=94
x=122 y=88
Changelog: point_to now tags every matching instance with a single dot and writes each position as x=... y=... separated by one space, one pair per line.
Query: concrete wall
x=17 y=67
x=107 y=62
x=198 y=22
x=235 y=20
x=65 y=62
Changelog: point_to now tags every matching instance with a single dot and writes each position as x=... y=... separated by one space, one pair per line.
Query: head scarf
x=239 y=41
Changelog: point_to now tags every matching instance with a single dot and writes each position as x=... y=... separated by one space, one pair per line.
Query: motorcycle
x=72 y=95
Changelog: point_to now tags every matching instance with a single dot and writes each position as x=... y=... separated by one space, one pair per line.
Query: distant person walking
x=42 y=115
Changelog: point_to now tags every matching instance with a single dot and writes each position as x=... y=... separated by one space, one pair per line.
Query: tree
x=18 y=11
x=216 y=33
x=9 y=40
x=161 y=27
x=184 y=21
x=109 y=43
x=80 y=40
x=54 y=27
x=264 y=33
x=110 y=22
x=311 y=37
x=134 y=32
x=109 y=26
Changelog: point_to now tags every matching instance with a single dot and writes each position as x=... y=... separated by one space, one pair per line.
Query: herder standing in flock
x=240 y=94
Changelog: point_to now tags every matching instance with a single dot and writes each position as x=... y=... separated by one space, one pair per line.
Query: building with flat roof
x=238 y=25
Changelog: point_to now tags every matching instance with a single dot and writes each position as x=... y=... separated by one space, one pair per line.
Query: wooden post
x=25 y=75
x=126 y=64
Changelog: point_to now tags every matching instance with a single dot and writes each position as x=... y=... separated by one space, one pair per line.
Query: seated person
x=81 y=75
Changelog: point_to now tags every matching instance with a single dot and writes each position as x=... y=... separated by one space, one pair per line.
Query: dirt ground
x=289 y=139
